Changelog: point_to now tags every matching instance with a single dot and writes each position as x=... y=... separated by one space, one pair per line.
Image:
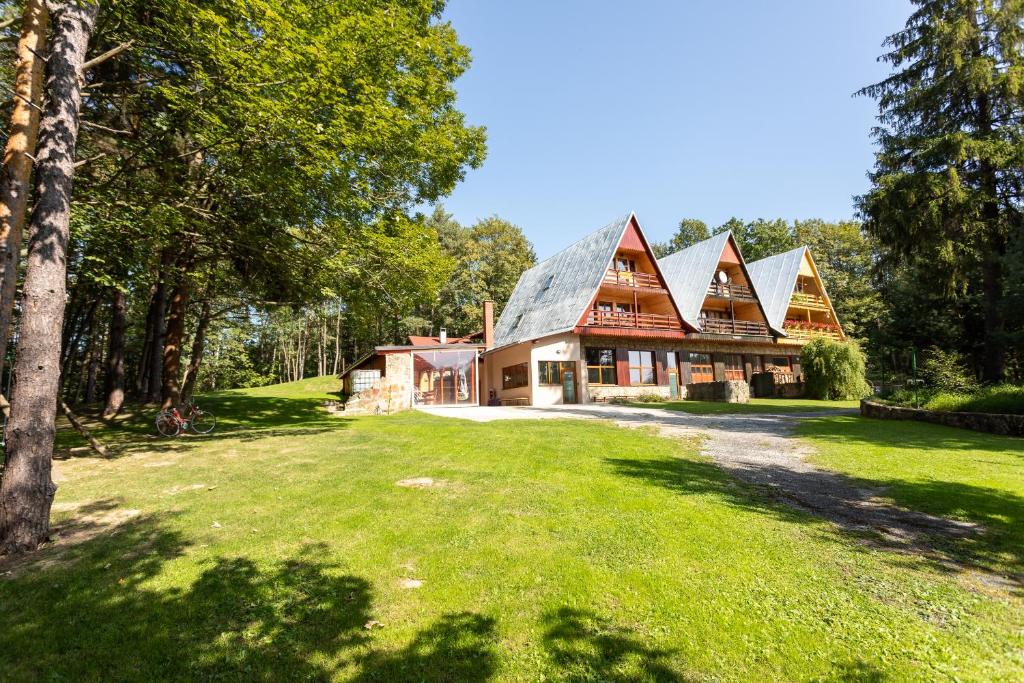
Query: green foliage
x=946 y=371
x=950 y=165
x=488 y=259
x=1004 y=399
x=690 y=232
x=833 y=370
x=760 y=238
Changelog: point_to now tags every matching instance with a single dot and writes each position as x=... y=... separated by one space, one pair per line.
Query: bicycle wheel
x=203 y=422
x=167 y=424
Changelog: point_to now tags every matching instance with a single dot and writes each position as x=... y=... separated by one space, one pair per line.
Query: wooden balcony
x=633 y=321
x=812 y=301
x=801 y=332
x=730 y=291
x=626 y=278
x=727 y=326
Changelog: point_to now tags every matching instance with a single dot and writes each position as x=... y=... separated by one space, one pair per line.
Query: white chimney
x=444 y=336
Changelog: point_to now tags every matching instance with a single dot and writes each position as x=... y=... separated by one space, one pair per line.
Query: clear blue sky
x=669 y=108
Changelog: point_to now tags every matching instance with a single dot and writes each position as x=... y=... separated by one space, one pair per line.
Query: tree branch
x=109 y=54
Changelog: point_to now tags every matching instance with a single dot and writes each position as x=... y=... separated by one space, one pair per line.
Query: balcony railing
x=808 y=301
x=628 y=278
x=728 y=326
x=802 y=331
x=636 y=321
x=730 y=291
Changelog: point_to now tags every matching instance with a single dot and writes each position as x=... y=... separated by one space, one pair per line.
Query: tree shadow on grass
x=587 y=647
x=992 y=541
x=458 y=647
x=105 y=612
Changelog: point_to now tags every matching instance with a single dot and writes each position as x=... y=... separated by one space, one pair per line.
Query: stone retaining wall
x=1008 y=425
x=729 y=391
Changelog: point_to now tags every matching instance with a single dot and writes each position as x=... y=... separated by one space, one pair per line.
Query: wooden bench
x=515 y=401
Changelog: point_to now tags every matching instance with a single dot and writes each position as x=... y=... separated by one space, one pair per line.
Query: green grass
x=943 y=471
x=1005 y=399
x=756 y=405
x=556 y=550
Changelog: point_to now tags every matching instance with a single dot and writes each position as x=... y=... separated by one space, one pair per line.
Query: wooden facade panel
x=661 y=369
x=622 y=367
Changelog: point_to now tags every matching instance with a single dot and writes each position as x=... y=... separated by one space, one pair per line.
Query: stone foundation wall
x=729 y=391
x=1008 y=425
x=390 y=394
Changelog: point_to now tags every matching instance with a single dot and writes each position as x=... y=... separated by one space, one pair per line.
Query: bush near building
x=834 y=370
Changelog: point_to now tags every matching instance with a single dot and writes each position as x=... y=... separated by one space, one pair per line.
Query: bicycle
x=172 y=422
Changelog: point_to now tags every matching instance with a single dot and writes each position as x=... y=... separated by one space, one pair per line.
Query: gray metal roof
x=774 y=278
x=689 y=272
x=551 y=297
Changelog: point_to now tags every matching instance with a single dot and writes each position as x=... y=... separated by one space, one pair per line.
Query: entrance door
x=568 y=371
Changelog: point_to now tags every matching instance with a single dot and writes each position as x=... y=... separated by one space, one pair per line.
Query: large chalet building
x=604 y=318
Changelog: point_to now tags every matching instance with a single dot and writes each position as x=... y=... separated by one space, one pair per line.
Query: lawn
x=756 y=405
x=943 y=471
x=281 y=548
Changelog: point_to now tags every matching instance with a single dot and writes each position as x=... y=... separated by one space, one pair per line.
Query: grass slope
x=562 y=550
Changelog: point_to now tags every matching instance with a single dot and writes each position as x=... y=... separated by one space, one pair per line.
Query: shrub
x=834 y=370
x=648 y=398
x=1005 y=398
x=946 y=371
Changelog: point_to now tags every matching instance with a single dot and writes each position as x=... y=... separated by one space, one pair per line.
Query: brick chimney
x=489 y=324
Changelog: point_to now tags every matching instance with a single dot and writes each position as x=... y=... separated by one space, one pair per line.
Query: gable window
x=701 y=369
x=549 y=372
x=641 y=368
x=734 y=367
x=515 y=376
x=600 y=366
x=623 y=264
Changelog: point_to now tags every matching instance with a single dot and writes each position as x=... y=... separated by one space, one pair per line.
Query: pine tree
x=949 y=171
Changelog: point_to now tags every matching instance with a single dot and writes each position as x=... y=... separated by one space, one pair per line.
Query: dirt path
x=760 y=449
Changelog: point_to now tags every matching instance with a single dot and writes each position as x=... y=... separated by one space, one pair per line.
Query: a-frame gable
x=689 y=273
x=775 y=278
x=634 y=239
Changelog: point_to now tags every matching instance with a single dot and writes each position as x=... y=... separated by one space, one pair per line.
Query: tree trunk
x=337 y=341
x=196 y=359
x=14 y=182
x=27 y=490
x=156 y=347
x=115 y=355
x=171 y=390
x=93 y=367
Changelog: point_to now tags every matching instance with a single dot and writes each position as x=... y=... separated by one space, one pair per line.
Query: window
x=548 y=372
x=364 y=379
x=701 y=369
x=670 y=360
x=515 y=376
x=515 y=323
x=781 y=362
x=601 y=366
x=544 y=288
x=755 y=364
x=734 y=367
x=625 y=264
x=641 y=367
